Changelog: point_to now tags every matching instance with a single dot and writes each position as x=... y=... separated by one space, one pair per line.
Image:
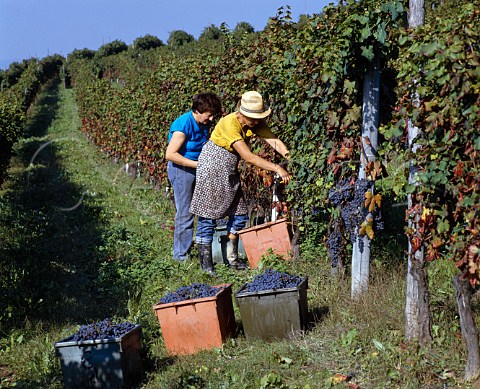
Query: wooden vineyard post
x=370 y=120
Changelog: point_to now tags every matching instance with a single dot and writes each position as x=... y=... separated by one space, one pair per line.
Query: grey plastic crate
x=219 y=246
x=274 y=313
x=111 y=363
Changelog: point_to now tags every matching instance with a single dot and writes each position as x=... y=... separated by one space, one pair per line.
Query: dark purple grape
x=272 y=279
x=350 y=200
x=102 y=330
x=190 y=292
x=334 y=242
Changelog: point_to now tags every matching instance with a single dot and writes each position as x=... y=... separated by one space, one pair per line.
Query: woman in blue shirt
x=188 y=133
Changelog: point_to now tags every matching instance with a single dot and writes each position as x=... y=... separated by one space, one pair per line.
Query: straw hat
x=252 y=106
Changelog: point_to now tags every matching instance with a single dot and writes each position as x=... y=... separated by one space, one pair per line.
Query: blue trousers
x=206 y=227
x=183 y=183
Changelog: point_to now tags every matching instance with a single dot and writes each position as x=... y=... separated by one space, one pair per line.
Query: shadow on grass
x=317 y=315
x=49 y=234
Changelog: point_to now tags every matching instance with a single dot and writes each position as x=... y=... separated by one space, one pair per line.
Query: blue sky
x=37 y=28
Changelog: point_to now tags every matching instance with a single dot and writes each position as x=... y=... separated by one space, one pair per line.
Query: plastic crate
x=274 y=313
x=258 y=239
x=197 y=324
x=110 y=363
x=219 y=246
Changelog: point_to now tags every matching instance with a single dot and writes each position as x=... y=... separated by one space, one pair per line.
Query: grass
x=82 y=241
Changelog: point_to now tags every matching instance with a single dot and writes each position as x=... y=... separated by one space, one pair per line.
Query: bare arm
x=244 y=151
x=172 y=154
x=279 y=147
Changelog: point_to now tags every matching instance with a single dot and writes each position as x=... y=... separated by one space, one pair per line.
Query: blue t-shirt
x=196 y=135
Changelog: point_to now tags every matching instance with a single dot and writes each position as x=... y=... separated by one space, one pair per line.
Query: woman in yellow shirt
x=218 y=192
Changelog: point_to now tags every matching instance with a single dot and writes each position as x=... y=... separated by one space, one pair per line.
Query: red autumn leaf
x=416 y=244
x=332 y=157
x=268 y=181
x=345 y=152
x=458 y=170
x=336 y=168
x=432 y=254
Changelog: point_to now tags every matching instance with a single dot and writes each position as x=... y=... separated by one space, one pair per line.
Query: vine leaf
x=416 y=243
x=366 y=228
x=332 y=157
x=374 y=170
x=372 y=200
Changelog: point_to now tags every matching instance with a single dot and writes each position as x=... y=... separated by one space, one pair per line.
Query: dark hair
x=207 y=102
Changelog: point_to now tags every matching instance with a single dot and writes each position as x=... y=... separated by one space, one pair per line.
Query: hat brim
x=255 y=115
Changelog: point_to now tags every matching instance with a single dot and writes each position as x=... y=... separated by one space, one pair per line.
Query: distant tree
x=179 y=38
x=81 y=54
x=111 y=48
x=302 y=20
x=243 y=28
x=15 y=71
x=210 y=33
x=147 y=42
x=2 y=79
x=51 y=65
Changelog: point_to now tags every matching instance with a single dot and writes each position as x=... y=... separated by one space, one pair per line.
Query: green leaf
x=402 y=40
x=365 y=33
x=393 y=132
x=443 y=226
x=468 y=202
x=381 y=35
x=367 y=52
x=286 y=360
x=379 y=346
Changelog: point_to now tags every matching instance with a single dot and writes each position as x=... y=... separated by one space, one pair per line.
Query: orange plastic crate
x=258 y=239
x=197 y=324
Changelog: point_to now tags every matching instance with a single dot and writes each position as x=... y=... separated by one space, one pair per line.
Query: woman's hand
x=284 y=175
x=244 y=151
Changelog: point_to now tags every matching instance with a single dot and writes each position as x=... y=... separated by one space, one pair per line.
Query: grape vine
x=360 y=215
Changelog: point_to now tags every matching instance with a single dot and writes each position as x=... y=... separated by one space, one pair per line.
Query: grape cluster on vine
x=349 y=197
x=189 y=292
x=334 y=243
x=272 y=279
x=102 y=330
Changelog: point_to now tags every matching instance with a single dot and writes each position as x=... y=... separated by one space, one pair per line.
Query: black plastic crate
x=275 y=313
x=108 y=363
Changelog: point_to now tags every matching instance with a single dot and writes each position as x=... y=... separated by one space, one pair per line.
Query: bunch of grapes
x=189 y=292
x=353 y=213
x=350 y=199
x=272 y=279
x=102 y=330
x=334 y=243
x=341 y=193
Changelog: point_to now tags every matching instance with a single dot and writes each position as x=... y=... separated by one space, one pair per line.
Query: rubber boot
x=232 y=255
x=205 y=257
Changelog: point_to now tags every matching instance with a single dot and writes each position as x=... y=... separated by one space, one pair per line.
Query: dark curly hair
x=207 y=102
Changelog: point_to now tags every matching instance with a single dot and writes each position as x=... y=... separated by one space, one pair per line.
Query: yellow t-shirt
x=229 y=130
